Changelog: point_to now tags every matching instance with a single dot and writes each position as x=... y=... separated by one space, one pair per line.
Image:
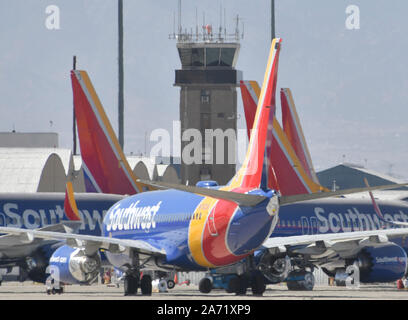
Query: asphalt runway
x=30 y=291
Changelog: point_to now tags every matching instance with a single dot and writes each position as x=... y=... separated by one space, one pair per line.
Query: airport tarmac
x=30 y=291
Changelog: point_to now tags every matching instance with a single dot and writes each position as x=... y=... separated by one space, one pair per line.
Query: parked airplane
x=45 y=211
x=192 y=228
x=378 y=262
x=106 y=169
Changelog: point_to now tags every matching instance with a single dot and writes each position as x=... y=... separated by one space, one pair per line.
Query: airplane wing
x=24 y=238
x=324 y=245
x=90 y=243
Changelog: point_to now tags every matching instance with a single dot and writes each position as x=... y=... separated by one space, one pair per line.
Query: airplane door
x=313 y=225
x=305 y=225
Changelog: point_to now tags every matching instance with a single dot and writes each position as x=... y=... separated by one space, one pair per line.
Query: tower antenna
x=179 y=17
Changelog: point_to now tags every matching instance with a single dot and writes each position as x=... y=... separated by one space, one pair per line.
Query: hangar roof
x=346 y=175
x=22 y=169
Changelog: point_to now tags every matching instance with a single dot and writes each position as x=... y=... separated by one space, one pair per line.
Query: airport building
x=349 y=175
x=208 y=103
x=30 y=164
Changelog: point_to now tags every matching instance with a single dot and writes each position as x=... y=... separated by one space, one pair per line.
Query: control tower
x=208 y=103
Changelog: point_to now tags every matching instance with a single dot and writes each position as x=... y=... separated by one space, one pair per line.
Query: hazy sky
x=350 y=86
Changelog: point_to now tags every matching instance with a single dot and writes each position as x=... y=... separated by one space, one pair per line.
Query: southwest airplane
x=192 y=228
x=46 y=211
x=378 y=262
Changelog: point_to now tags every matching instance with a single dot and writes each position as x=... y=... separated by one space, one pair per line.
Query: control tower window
x=212 y=56
x=227 y=56
x=197 y=57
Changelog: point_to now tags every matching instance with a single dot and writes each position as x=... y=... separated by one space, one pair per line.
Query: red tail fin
x=294 y=132
x=250 y=174
x=250 y=92
x=104 y=163
x=286 y=172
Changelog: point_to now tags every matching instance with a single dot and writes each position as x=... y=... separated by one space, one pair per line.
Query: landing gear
x=53 y=287
x=238 y=285
x=131 y=284
x=171 y=284
x=146 y=285
x=255 y=281
x=233 y=283
x=235 y=278
x=300 y=280
x=132 y=276
x=205 y=285
x=55 y=291
x=258 y=284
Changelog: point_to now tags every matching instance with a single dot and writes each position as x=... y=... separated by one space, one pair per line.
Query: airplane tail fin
x=285 y=171
x=105 y=165
x=294 y=132
x=70 y=207
x=254 y=167
x=250 y=92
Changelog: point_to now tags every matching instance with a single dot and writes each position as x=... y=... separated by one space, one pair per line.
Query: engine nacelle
x=274 y=268
x=70 y=265
x=382 y=264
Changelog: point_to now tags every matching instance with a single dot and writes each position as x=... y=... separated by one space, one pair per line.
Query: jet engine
x=375 y=264
x=70 y=265
x=274 y=268
x=382 y=264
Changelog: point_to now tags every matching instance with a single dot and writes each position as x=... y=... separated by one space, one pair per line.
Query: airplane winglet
x=378 y=210
x=284 y=200
x=375 y=205
x=70 y=206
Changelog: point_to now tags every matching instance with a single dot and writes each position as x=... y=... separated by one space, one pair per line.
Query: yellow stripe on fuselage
x=196 y=231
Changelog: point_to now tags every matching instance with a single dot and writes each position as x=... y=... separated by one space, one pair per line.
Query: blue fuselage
x=196 y=232
x=171 y=220
x=37 y=210
x=334 y=215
